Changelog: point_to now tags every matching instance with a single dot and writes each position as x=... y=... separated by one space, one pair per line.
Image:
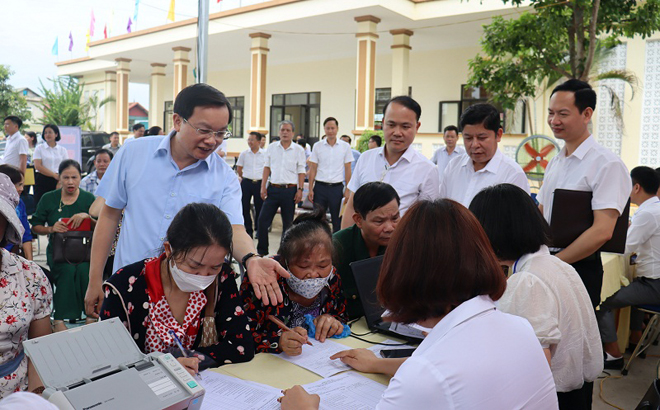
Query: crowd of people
x=468 y=252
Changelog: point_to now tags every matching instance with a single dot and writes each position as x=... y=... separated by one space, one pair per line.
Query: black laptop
x=366 y=277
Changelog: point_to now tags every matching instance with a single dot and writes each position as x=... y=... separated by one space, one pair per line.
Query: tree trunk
x=581 y=46
x=592 y=41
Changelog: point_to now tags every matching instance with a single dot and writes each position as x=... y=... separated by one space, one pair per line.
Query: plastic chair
x=648 y=337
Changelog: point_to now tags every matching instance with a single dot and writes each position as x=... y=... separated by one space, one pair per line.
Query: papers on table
x=317 y=358
x=347 y=391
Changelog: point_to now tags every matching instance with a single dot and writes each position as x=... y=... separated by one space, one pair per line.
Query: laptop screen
x=366 y=277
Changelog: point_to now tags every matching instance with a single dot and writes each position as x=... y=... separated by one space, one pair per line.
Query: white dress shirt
x=285 y=164
x=222 y=146
x=461 y=183
x=413 y=176
x=476 y=357
x=591 y=167
x=549 y=293
x=644 y=238
x=16 y=146
x=331 y=160
x=50 y=157
x=441 y=158
x=252 y=163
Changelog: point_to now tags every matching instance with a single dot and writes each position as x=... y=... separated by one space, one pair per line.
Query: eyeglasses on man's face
x=206 y=133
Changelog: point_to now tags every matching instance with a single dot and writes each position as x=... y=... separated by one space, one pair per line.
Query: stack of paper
x=317 y=358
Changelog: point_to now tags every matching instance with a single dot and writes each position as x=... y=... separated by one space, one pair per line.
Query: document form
x=347 y=391
x=316 y=358
x=226 y=392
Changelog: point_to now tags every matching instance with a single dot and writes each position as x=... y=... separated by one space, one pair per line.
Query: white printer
x=99 y=367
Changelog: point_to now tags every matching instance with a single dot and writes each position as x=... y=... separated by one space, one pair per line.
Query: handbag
x=72 y=247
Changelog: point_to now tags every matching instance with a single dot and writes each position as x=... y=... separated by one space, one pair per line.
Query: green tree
x=11 y=102
x=65 y=104
x=558 y=39
x=362 y=142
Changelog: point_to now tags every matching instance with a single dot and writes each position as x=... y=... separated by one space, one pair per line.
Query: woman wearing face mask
x=188 y=290
x=314 y=288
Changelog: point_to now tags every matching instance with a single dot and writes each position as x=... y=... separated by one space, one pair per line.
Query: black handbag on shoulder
x=72 y=247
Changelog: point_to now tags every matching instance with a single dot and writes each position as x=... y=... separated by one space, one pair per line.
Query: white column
x=366 y=72
x=400 y=61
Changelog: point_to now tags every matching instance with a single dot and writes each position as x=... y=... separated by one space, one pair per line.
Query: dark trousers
x=590 y=270
x=329 y=197
x=579 y=399
x=251 y=189
x=42 y=185
x=277 y=198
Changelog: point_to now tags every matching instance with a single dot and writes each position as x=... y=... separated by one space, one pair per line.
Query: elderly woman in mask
x=314 y=289
x=25 y=299
x=187 y=293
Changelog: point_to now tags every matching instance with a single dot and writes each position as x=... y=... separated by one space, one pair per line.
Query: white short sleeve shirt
x=413 y=176
x=331 y=160
x=51 y=157
x=252 y=163
x=285 y=164
x=644 y=238
x=476 y=357
x=461 y=183
x=16 y=146
x=441 y=158
x=591 y=167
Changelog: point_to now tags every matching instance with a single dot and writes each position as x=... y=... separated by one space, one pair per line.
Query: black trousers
x=329 y=197
x=579 y=399
x=590 y=270
x=251 y=189
x=277 y=198
x=42 y=185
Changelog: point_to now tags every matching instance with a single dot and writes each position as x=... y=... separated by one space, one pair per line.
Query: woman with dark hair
x=47 y=158
x=67 y=202
x=189 y=290
x=16 y=177
x=439 y=271
x=31 y=138
x=543 y=289
x=314 y=288
x=155 y=130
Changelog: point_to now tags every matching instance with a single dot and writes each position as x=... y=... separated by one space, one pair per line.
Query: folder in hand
x=572 y=215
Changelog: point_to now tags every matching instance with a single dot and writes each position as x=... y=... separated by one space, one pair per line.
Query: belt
x=329 y=183
x=254 y=181
x=284 y=185
x=10 y=366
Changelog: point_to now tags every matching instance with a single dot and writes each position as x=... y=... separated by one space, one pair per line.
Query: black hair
x=647 y=178
x=55 y=129
x=257 y=135
x=308 y=231
x=302 y=142
x=407 y=102
x=481 y=114
x=15 y=120
x=512 y=221
x=585 y=96
x=33 y=137
x=377 y=139
x=103 y=151
x=346 y=136
x=451 y=128
x=199 y=224
x=137 y=126
x=113 y=133
x=12 y=172
x=200 y=95
x=327 y=120
x=155 y=130
x=67 y=163
x=372 y=196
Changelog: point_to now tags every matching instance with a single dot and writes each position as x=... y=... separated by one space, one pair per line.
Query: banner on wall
x=72 y=141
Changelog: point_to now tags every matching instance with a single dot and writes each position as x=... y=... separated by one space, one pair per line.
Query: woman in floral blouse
x=314 y=288
x=189 y=290
x=25 y=299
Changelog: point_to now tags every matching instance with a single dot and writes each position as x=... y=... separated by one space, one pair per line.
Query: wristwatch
x=300 y=189
x=246 y=257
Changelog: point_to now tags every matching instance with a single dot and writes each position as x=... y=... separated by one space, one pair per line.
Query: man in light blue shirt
x=152 y=178
x=356 y=153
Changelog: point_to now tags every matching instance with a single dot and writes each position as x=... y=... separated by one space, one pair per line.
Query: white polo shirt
x=285 y=164
x=461 y=183
x=331 y=160
x=644 y=238
x=441 y=158
x=16 y=146
x=591 y=167
x=476 y=357
x=413 y=176
x=50 y=157
x=252 y=163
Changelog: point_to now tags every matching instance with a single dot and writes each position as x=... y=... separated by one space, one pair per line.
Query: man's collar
x=583 y=148
x=17 y=133
x=652 y=200
x=408 y=154
x=492 y=166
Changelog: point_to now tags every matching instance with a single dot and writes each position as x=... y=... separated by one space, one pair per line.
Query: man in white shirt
x=584 y=165
x=222 y=149
x=329 y=167
x=114 y=145
x=250 y=168
x=138 y=132
x=644 y=240
x=411 y=174
x=484 y=165
x=445 y=154
x=16 y=150
x=356 y=153
x=285 y=165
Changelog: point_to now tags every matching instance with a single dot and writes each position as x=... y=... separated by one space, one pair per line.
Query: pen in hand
x=180 y=346
x=284 y=327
